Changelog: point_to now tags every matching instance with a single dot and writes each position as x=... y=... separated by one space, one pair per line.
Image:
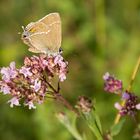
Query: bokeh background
x=98 y=36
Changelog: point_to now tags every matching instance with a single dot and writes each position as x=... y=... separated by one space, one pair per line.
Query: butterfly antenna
x=19 y=33
x=23 y=28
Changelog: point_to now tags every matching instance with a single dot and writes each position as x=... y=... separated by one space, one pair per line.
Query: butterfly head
x=25 y=33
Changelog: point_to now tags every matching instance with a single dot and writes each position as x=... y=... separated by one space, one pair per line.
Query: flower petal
x=14 y=101
x=117 y=106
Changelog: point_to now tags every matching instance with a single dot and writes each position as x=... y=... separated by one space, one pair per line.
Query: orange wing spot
x=32 y=30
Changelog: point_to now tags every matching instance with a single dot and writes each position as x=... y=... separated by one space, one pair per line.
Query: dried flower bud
x=61 y=116
x=84 y=104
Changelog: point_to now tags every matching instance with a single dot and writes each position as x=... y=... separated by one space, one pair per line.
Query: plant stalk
x=118 y=116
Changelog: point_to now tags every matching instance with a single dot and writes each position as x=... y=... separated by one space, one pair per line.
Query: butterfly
x=44 y=35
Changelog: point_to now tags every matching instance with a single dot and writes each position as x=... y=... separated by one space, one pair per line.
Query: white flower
x=117 y=106
x=37 y=85
x=9 y=72
x=5 y=89
x=138 y=106
x=106 y=76
x=14 y=101
x=25 y=71
x=31 y=105
x=62 y=77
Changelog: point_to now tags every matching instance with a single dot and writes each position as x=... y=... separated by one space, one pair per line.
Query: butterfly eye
x=24 y=36
x=60 y=50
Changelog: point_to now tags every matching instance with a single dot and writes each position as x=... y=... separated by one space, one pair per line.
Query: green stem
x=58 y=97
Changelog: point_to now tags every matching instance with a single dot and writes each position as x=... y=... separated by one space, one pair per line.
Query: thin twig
x=58 y=88
x=58 y=97
x=44 y=78
x=50 y=85
x=61 y=99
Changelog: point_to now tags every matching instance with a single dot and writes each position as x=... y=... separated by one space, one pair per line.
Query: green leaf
x=84 y=136
x=115 y=130
x=70 y=125
x=94 y=124
x=98 y=122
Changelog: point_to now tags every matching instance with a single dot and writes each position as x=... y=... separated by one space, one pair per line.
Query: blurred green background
x=98 y=36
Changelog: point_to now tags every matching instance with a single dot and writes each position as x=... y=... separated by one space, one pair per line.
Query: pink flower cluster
x=131 y=106
x=29 y=82
x=112 y=84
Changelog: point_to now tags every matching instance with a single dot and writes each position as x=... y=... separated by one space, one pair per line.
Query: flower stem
x=118 y=116
x=62 y=100
x=58 y=97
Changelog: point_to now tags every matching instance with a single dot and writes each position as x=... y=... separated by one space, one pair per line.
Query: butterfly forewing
x=37 y=27
x=51 y=19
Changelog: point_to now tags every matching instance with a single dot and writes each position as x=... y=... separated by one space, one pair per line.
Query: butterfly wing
x=33 y=28
x=39 y=42
x=44 y=36
x=34 y=50
x=53 y=22
x=51 y=19
x=47 y=42
x=36 y=27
